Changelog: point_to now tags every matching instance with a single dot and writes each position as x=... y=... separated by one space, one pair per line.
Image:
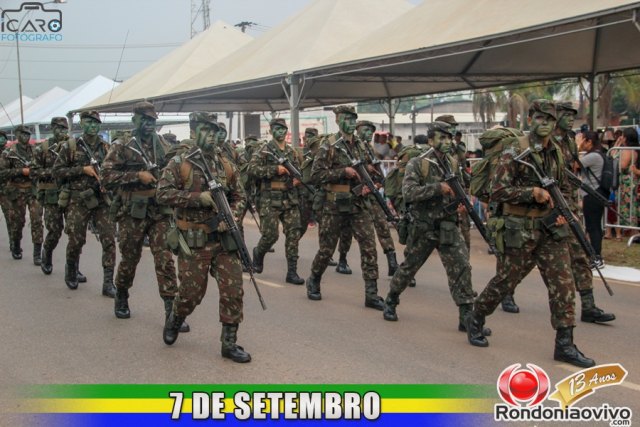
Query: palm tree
x=484 y=107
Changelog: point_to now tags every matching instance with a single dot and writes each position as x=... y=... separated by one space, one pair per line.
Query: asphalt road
x=50 y=334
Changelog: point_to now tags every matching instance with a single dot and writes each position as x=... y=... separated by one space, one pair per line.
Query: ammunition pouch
x=196 y=238
x=139 y=206
x=276 y=198
x=343 y=201
x=12 y=195
x=495 y=227
x=227 y=241
x=558 y=233
x=172 y=239
x=403 y=229
x=448 y=233
x=63 y=198
x=89 y=198
x=515 y=232
x=50 y=196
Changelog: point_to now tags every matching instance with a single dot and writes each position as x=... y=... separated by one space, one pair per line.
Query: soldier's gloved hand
x=206 y=200
x=146 y=177
x=446 y=189
x=222 y=227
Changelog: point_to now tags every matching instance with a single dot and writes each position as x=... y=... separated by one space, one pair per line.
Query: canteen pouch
x=227 y=242
x=200 y=238
x=172 y=239
x=139 y=206
x=344 y=202
x=514 y=232
x=63 y=198
x=448 y=232
x=89 y=198
x=495 y=226
x=51 y=196
x=403 y=230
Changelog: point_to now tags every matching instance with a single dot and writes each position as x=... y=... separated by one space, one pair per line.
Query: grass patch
x=617 y=253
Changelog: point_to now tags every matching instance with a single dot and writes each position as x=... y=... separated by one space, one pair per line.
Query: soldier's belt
x=142 y=193
x=19 y=185
x=509 y=209
x=338 y=188
x=187 y=225
x=47 y=186
x=274 y=185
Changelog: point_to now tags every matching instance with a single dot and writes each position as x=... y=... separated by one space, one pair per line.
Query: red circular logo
x=523 y=387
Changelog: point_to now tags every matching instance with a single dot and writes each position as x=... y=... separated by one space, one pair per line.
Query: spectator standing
x=593 y=161
x=627 y=192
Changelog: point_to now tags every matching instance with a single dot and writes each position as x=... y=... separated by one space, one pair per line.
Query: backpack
x=608 y=181
x=493 y=142
x=393 y=180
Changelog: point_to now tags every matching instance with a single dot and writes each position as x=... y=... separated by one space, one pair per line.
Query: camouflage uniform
x=526 y=242
x=431 y=228
x=44 y=157
x=87 y=200
x=180 y=187
x=344 y=207
x=248 y=183
x=137 y=212
x=19 y=193
x=3 y=196
x=278 y=201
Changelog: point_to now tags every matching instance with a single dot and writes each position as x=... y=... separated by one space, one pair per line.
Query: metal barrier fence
x=632 y=206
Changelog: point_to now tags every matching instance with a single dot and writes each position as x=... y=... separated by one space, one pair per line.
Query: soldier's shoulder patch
x=510 y=151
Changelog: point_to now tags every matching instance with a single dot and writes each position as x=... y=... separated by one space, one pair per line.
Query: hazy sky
x=94 y=32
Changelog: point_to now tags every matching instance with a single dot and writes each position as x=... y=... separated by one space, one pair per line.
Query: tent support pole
x=294 y=96
x=592 y=101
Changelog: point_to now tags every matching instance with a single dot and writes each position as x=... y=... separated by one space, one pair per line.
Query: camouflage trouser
x=464 y=222
x=54 y=223
x=382 y=227
x=306 y=211
x=360 y=224
x=582 y=274
x=290 y=218
x=16 y=208
x=77 y=218
x=5 y=209
x=193 y=272
x=131 y=239
x=420 y=244
x=554 y=262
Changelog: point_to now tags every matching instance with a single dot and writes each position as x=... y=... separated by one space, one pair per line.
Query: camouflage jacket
x=13 y=160
x=44 y=156
x=124 y=161
x=182 y=182
x=330 y=162
x=68 y=167
x=569 y=152
x=230 y=153
x=513 y=182
x=264 y=166
x=422 y=191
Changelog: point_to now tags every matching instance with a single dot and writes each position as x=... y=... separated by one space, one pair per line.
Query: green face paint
x=279 y=132
x=145 y=125
x=566 y=120
x=365 y=133
x=221 y=135
x=3 y=142
x=60 y=133
x=542 y=124
x=90 y=126
x=202 y=136
x=346 y=123
x=23 y=137
x=442 y=142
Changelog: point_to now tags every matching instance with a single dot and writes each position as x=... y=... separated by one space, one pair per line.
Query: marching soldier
x=3 y=195
x=45 y=156
x=527 y=240
x=346 y=205
x=15 y=174
x=85 y=199
x=183 y=186
x=132 y=168
x=278 y=199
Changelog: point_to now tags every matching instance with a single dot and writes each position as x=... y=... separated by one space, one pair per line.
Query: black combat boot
x=230 y=349
x=121 y=304
x=37 y=254
x=70 y=275
x=313 y=287
x=566 y=351
x=343 y=267
x=509 y=304
x=474 y=323
x=81 y=277
x=292 y=272
x=332 y=262
x=168 y=306
x=371 y=298
x=590 y=312
x=16 y=250
x=258 y=260
x=389 y=312
x=392 y=261
x=172 y=328
x=463 y=311
x=47 y=261
x=108 y=290
x=412 y=283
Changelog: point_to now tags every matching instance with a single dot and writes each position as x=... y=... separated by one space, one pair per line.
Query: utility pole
x=200 y=8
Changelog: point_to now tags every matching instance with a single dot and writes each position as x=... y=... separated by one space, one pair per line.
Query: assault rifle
x=148 y=164
x=14 y=155
x=562 y=208
x=96 y=167
x=293 y=171
x=252 y=210
x=461 y=197
x=224 y=210
x=361 y=168
x=578 y=183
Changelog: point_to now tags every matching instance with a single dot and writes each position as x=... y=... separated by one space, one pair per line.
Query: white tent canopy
x=44 y=100
x=179 y=65
x=8 y=112
x=441 y=46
